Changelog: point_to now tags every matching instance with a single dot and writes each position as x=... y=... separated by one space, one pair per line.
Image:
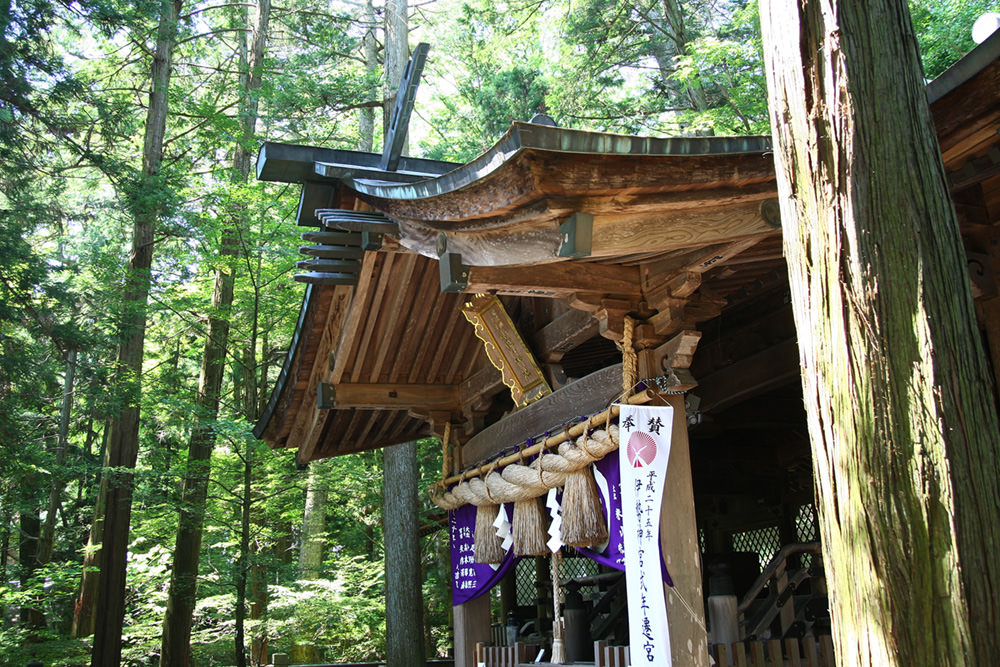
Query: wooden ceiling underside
x=397 y=355
x=394 y=338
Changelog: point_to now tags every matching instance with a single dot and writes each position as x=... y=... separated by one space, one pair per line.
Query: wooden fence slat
x=794 y=657
x=774 y=648
x=812 y=655
x=826 y=647
x=722 y=657
x=757 y=651
x=740 y=654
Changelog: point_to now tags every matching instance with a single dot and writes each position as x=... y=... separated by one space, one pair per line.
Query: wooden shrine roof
x=391 y=357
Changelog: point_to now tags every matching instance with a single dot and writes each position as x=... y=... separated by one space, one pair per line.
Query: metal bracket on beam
x=314 y=196
x=325 y=396
x=576 y=236
x=454 y=274
x=371 y=241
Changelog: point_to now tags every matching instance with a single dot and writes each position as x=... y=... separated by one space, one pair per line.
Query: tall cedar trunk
x=85 y=608
x=404 y=630
x=175 y=644
x=55 y=477
x=369 y=45
x=123 y=444
x=676 y=31
x=240 y=578
x=898 y=394
x=27 y=555
x=397 y=53
x=313 y=524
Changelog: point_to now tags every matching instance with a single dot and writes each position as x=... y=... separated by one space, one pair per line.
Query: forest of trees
x=146 y=298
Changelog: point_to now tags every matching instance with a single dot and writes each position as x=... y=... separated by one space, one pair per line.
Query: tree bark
x=243 y=562
x=404 y=637
x=369 y=45
x=897 y=391
x=55 y=477
x=313 y=524
x=397 y=54
x=175 y=649
x=175 y=646
x=85 y=608
x=27 y=555
x=123 y=443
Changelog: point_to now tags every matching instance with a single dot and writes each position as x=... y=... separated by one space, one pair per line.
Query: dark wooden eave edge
x=293 y=163
x=260 y=427
x=528 y=136
x=971 y=64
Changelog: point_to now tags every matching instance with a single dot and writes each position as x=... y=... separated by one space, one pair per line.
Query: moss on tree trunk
x=897 y=390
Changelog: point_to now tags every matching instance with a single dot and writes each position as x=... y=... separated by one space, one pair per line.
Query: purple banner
x=614 y=554
x=469 y=579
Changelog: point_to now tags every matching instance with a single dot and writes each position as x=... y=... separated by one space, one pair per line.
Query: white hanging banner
x=644 y=436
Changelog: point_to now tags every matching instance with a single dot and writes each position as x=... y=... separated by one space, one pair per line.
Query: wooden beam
x=585 y=396
x=563 y=334
x=681 y=553
x=348 y=335
x=776 y=366
x=676 y=353
x=423 y=397
x=484 y=382
x=304 y=434
x=656 y=274
x=559 y=279
x=631 y=233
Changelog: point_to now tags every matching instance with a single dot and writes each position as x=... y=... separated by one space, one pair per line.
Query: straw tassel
x=487 y=545
x=558 y=646
x=583 y=519
x=529 y=528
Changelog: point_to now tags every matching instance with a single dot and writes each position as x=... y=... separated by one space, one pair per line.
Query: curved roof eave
x=528 y=136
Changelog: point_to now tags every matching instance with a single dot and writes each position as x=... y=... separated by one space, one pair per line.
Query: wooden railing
x=505 y=656
x=805 y=652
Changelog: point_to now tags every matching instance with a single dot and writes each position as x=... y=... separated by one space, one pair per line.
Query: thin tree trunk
x=897 y=391
x=675 y=27
x=175 y=643
x=241 y=574
x=369 y=44
x=55 y=477
x=123 y=444
x=85 y=608
x=404 y=636
x=314 y=524
x=397 y=53
x=27 y=554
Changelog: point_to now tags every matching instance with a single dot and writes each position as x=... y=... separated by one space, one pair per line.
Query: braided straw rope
x=523 y=482
x=630 y=360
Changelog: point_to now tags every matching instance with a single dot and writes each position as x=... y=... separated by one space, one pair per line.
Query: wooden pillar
x=404 y=641
x=679 y=541
x=472 y=625
x=508 y=595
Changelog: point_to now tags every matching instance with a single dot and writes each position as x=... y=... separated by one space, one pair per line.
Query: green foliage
x=73 y=81
x=944 y=30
